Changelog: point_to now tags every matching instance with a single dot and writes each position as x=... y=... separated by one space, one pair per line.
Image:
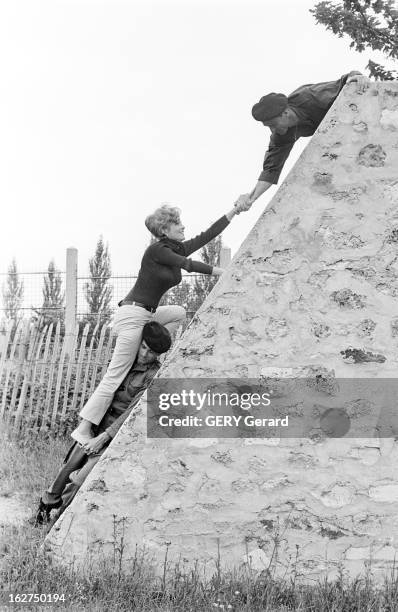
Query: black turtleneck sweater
x=162 y=263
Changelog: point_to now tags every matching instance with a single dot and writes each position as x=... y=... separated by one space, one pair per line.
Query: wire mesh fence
x=64 y=295
x=31 y=298
x=121 y=285
x=31 y=303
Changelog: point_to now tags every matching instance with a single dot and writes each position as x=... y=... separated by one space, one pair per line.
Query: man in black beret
x=81 y=459
x=289 y=118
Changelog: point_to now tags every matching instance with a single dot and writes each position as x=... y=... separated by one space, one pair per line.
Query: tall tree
x=210 y=254
x=97 y=290
x=53 y=296
x=369 y=23
x=12 y=292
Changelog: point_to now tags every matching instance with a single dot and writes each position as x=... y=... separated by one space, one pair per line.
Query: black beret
x=269 y=107
x=157 y=337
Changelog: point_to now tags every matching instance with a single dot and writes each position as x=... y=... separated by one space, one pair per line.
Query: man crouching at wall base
x=81 y=459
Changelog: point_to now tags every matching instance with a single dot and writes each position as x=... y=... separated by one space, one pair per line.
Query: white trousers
x=128 y=323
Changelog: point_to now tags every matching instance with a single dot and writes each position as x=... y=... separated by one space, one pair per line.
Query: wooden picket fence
x=45 y=380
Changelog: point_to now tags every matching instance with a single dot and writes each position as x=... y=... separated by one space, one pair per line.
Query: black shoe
x=42 y=515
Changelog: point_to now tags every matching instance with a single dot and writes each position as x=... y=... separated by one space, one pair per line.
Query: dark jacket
x=126 y=397
x=310 y=103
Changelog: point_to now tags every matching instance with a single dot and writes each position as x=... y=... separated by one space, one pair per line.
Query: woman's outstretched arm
x=192 y=245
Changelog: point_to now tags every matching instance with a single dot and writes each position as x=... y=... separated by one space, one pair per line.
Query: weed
x=137 y=585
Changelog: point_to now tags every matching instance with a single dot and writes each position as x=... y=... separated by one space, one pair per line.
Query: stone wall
x=314 y=285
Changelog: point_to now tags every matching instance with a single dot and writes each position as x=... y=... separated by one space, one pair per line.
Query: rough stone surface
x=315 y=284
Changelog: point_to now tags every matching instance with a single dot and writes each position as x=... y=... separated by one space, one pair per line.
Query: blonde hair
x=160 y=220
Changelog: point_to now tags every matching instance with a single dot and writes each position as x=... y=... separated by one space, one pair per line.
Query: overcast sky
x=109 y=108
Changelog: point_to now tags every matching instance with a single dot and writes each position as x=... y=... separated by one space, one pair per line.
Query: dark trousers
x=77 y=466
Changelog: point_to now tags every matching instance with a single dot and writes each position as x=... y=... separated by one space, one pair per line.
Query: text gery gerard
x=222 y=421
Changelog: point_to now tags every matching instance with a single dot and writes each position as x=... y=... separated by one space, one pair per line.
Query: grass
x=29 y=462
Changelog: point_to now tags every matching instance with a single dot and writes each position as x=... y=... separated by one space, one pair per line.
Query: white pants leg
x=170 y=316
x=128 y=323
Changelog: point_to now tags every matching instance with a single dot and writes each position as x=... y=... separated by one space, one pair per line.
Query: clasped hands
x=243 y=203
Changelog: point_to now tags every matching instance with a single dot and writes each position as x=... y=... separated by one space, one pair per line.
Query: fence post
x=225 y=257
x=70 y=297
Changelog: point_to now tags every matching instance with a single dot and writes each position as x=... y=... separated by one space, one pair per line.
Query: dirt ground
x=13 y=510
